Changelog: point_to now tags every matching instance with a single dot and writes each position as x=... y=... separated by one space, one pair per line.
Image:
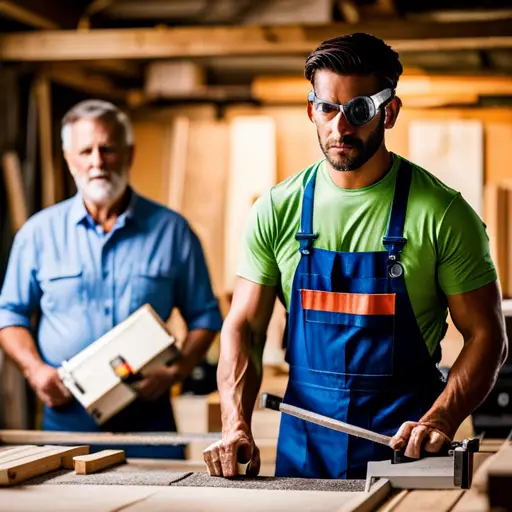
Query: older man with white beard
x=87 y=263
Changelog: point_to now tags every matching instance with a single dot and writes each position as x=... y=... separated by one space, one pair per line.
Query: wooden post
x=49 y=185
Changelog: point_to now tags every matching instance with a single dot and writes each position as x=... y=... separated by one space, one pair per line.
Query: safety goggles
x=357 y=111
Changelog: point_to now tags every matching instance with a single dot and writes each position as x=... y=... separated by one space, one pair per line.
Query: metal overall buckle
x=395 y=268
x=394 y=244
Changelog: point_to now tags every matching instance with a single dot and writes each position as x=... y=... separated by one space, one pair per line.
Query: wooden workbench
x=142 y=498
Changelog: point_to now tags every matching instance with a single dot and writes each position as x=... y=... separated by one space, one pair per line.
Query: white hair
x=95 y=109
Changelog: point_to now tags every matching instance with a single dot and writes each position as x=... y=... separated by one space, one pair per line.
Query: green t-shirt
x=447 y=250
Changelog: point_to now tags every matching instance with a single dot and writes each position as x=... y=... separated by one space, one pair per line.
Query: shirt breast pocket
x=63 y=288
x=152 y=286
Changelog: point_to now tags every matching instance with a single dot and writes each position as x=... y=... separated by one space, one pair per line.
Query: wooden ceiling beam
x=47 y=14
x=26 y=16
x=189 y=42
x=417 y=88
x=77 y=78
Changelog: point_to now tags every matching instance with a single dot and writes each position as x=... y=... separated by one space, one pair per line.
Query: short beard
x=106 y=194
x=364 y=150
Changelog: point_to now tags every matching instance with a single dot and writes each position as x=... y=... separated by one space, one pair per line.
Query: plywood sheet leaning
x=94 y=462
x=252 y=172
x=24 y=462
x=452 y=151
x=495 y=217
x=205 y=189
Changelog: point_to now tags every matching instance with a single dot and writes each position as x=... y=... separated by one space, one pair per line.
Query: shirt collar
x=79 y=213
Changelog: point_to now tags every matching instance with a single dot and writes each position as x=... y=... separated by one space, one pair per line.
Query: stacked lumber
x=20 y=463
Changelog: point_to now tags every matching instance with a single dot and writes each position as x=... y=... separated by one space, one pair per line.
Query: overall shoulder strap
x=394 y=240
x=305 y=235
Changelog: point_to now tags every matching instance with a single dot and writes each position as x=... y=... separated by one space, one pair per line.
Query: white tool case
x=141 y=342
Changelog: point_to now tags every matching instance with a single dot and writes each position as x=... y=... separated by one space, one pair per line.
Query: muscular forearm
x=19 y=345
x=471 y=378
x=239 y=373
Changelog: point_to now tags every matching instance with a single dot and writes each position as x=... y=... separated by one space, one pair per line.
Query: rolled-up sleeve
x=20 y=291
x=195 y=298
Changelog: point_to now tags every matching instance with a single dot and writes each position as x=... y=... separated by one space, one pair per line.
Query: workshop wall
x=195 y=180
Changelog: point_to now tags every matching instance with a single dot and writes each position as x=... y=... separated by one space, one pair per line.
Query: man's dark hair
x=356 y=54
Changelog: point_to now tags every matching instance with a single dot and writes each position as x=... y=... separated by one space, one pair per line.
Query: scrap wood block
x=69 y=453
x=87 y=464
x=23 y=462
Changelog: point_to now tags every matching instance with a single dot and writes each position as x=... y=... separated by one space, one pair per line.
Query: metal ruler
x=276 y=403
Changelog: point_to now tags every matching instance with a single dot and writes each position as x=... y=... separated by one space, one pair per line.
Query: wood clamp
x=452 y=467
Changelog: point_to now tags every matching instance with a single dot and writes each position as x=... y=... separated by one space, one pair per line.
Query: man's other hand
x=236 y=446
x=155 y=383
x=46 y=382
x=417 y=435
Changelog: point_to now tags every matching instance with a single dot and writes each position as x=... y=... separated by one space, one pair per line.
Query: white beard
x=103 y=192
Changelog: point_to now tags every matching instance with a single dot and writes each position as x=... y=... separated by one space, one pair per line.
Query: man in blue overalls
x=87 y=263
x=368 y=252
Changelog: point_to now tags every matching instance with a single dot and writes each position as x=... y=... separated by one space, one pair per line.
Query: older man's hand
x=236 y=446
x=46 y=382
x=155 y=383
x=417 y=435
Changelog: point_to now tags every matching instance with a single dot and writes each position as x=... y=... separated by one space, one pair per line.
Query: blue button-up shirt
x=85 y=281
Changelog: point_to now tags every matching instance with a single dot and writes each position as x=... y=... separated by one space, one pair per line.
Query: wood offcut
x=88 y=464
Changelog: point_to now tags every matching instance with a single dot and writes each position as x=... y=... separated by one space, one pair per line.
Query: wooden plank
x=499 y=479
x=411 y=88
x=368 y=501
x=78 y=498
x=495 y=211
x=16 y=196
x=41 y=461
x=20 y=453
x=7 y=452
x=12 y=458
x=105 y=438
x=49 y=15
x=43 y=98
x=204 y=201
x=446 y=148
x=26 y=16
x=83 y=80
x=190 y=499
x=13 y=382
x=472 y=501
x=396 y=496
x=178 y=162
x=252 y=172
x=426 y=501
x=168 y=43
x=68 y=455
x=498 y=459
x=94 y=462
